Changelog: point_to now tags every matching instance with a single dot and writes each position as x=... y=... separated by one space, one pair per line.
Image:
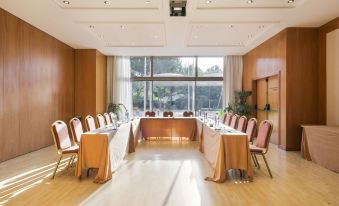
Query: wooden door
x=273 y=101
x=261 y=99
x=268 y=95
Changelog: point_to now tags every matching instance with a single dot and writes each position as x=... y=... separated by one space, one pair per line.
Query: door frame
x=254 y=99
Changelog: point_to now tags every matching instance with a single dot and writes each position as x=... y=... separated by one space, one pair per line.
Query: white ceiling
x=144 y=27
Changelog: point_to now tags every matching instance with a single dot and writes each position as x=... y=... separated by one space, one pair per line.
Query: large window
x=177 y=84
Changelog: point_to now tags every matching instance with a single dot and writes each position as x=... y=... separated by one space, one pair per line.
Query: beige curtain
x=110 y=80
x=119 y=85
x=233 y=69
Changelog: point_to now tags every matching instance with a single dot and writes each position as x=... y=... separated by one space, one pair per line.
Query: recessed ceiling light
x=147 y=2
x=66 y=2
x=208 y=2
x=250 y=1
x=290 y=1
x=107 y=2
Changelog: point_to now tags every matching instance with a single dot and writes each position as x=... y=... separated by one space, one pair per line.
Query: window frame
x=194 y=78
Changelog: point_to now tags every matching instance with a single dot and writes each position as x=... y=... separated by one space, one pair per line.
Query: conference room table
x=105 y=149
x=224 y=149
x=320 y=144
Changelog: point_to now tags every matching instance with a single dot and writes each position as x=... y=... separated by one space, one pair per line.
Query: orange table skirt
x=224 y=151
x=105 y=149
x=168 y=127
x=320 y=144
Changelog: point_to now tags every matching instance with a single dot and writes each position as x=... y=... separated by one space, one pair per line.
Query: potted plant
x=240 y=105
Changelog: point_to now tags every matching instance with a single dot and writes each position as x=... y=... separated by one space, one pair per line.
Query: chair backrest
x=264 y=134
x=150 y=114
x=76 y=129
x=234 y=121
x=250 y=130
x=228 y=119
x=90 y=123
x=107 y=118
x=168 y=114
x=242 y=122
x=60 y=135
x=101 y=120
x=187 y=114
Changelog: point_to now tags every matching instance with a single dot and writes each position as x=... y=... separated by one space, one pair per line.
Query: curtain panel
x=119 y=84
x=233 y=69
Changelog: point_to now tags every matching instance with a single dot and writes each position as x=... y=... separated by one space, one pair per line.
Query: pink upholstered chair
x=150 y=114
x=251 y=128
x=262 y=143
x=90 y=123
x=168 y=114
x=63 y=143
x=107 y=118
x=101 y=121
x=187 y=114
x=76 y=129
x=228 y=118
x=242 y=122
x=234 y=121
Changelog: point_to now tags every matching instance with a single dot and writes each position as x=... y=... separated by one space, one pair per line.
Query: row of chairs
x=168 y=114
x=250 y=127
x=66 y=145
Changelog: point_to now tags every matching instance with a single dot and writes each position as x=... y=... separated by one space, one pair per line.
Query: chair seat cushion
x=72 y=149
x=254 y=148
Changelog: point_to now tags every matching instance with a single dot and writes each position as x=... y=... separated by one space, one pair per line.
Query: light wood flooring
x=167 y=173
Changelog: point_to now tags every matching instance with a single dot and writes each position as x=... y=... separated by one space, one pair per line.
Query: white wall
x=332 y=70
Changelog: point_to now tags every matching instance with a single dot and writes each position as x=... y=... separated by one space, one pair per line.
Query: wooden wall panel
x=85 y=82
x=302 y=82
x=293 y=53
x=101 y=61
x=323 y=30
x=266 y=60
x=38 y=86
x=2 y=31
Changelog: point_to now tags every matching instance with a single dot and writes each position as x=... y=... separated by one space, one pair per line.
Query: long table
x=106 y=148
x=320 y=144
x=224 y=149
x=168 y=127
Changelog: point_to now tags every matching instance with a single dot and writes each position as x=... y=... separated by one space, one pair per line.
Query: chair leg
x=69 y=162
x=255 y=163
x=72 y=162
x=56 y=167
x=256 y=159
x=268 y=168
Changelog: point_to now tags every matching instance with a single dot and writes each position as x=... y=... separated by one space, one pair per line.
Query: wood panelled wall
x=323 y=31
x=90 y=82
x=294 y=54
x=36 y=86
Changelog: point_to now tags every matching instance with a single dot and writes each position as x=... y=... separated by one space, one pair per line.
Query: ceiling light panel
x=229 y=4
x=111 y=4
x=128 y=34
x=226 y=34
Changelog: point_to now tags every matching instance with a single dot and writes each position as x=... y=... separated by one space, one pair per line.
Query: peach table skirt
x=105 y=150
x=224 y=151
x=162 y=127
x=320 y=144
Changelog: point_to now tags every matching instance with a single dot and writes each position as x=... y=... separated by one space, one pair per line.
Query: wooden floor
x=165 y=173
